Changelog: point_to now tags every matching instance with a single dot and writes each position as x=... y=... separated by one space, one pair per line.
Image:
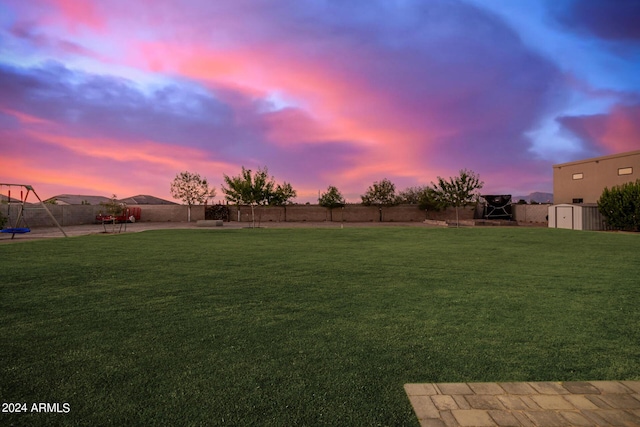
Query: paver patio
x=526 y=404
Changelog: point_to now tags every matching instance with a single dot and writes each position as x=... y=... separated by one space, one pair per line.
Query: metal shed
x=576 y=217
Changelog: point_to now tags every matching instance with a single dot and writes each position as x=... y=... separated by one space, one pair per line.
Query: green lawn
x=284 y=327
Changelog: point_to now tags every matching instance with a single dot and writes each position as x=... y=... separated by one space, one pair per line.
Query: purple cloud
x=612 y=20
x=321 y=92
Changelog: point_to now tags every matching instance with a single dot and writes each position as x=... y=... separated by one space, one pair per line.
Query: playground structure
x=16 y=228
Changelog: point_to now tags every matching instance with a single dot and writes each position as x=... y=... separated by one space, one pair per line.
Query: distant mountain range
x=537 y=197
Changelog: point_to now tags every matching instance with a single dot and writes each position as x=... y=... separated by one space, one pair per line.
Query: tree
x=114 y=209
x=380 y=194
x=423 y=196
x=191 y=189
x=113 y=206
x=410 y=195
x=282 y=196
x=458 y=191
x=620 y=206
x=249 y=188
x=330 y=199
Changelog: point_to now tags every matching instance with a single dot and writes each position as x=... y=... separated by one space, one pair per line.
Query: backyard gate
x=217 y=212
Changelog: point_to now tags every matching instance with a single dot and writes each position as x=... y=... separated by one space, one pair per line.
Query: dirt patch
x=39 y=233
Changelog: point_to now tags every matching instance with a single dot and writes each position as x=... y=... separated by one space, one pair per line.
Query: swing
x=15 y=229
x=19 y=230
x=23 y=200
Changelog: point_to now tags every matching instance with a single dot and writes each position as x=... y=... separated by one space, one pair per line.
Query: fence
x=530 y=213
x=36 y=216
x=349 y=213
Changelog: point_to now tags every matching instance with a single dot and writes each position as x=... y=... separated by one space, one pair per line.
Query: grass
x=279 y=327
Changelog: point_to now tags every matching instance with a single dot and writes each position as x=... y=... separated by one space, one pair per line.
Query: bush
x=620 y=206
x=3 y=220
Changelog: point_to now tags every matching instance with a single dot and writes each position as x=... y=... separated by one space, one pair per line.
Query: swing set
x=17 y=229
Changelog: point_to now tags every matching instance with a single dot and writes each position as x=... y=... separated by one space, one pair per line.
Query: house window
x=578 y=201
x=577 y=176
x=625 y=171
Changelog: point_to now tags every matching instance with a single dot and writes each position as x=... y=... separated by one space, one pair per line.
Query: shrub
x=620 y=206
x=113 y=206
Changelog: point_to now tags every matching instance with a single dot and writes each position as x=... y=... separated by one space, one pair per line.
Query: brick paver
x=527 y=404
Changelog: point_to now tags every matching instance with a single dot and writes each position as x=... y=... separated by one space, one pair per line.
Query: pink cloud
x=31 y=33
x=43 y=154
x=24 y=118
x=336 y=104
x=408 y=92
x=615 y=132
x=344 y=107
x=77 y=13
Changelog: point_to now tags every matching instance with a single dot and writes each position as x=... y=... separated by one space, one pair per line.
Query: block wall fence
x=36 y=216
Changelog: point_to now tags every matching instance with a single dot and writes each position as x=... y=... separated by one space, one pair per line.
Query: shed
x=576 y=217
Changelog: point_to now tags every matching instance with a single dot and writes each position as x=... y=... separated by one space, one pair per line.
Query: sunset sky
x=118 y=96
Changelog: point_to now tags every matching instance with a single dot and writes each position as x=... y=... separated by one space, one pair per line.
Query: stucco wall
x=349 y=213
x=36 y=216
x=530 y=213
x=586 y=179
x=172 y=213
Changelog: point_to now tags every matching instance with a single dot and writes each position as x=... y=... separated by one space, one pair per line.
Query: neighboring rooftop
x=5 y=199
x=143 y=199
x=79 y=199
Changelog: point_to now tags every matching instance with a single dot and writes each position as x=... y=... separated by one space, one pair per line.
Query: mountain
x=537 y=197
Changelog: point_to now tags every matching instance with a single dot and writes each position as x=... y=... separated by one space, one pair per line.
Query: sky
x=117 y=96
